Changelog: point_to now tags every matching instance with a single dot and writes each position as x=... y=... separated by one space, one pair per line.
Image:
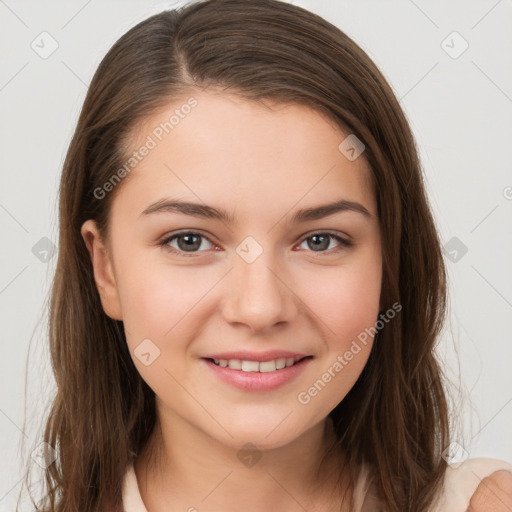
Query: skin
x=261 y=162
x=493 y=494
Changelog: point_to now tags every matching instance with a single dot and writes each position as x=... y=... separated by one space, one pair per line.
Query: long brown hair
x=394 y=419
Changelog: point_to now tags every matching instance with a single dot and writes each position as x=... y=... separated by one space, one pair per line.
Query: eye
x=321 y=241
x=187 y=242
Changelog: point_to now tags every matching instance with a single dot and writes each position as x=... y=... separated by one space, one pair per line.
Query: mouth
x=249 y=366
x=257 y=376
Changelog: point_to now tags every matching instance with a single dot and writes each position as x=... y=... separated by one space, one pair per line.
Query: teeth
x=255 y=366
x=236 y=364
x=250 y=366
x=280 y=363
x=267 y=366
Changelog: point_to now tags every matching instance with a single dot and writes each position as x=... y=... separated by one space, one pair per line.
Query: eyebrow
x=209 y=212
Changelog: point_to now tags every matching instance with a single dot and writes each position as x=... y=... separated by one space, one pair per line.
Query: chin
x=266 y=434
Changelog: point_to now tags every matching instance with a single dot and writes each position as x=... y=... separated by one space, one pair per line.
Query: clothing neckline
x=460 y=483
x=132 y=499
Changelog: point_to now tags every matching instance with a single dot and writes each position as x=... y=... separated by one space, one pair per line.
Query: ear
x=103 y=270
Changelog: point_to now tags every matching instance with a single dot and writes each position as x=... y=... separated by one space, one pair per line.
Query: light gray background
x=460 y=110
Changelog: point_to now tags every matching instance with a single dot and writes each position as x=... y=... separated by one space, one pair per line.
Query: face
x=264 y=279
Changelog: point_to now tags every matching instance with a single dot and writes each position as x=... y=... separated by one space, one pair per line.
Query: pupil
x=193 y=242
x=317 y=245
x=189 y=244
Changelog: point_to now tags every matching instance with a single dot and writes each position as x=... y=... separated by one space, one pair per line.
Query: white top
x=459 y=485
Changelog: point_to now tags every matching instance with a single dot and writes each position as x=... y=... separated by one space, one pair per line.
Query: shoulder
x=493 y=494
x=477 y=485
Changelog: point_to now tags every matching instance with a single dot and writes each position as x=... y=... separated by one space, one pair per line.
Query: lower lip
x=258 y=381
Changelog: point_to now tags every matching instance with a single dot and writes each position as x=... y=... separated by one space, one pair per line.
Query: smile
x=256 y=366
x=250 y=375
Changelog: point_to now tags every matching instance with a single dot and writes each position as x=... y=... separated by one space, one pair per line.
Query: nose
x=258 y=296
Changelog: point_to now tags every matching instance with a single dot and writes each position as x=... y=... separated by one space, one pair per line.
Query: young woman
x=250 y=283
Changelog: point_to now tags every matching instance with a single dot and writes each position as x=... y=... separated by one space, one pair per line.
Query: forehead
x=236 y=150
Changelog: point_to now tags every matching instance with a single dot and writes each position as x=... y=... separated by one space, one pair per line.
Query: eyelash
x=344 y=244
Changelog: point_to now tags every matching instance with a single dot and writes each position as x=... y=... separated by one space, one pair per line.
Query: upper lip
x=244 y=355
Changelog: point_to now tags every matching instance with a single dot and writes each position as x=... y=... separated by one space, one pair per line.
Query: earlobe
x=103 y=270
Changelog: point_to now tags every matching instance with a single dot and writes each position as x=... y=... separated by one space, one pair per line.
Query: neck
x=183 y=468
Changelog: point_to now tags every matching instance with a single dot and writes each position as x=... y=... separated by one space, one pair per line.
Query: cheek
x=165 y=304
x=348 y=314
x=347 y=301
x=155 y=297
x=158 y=315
